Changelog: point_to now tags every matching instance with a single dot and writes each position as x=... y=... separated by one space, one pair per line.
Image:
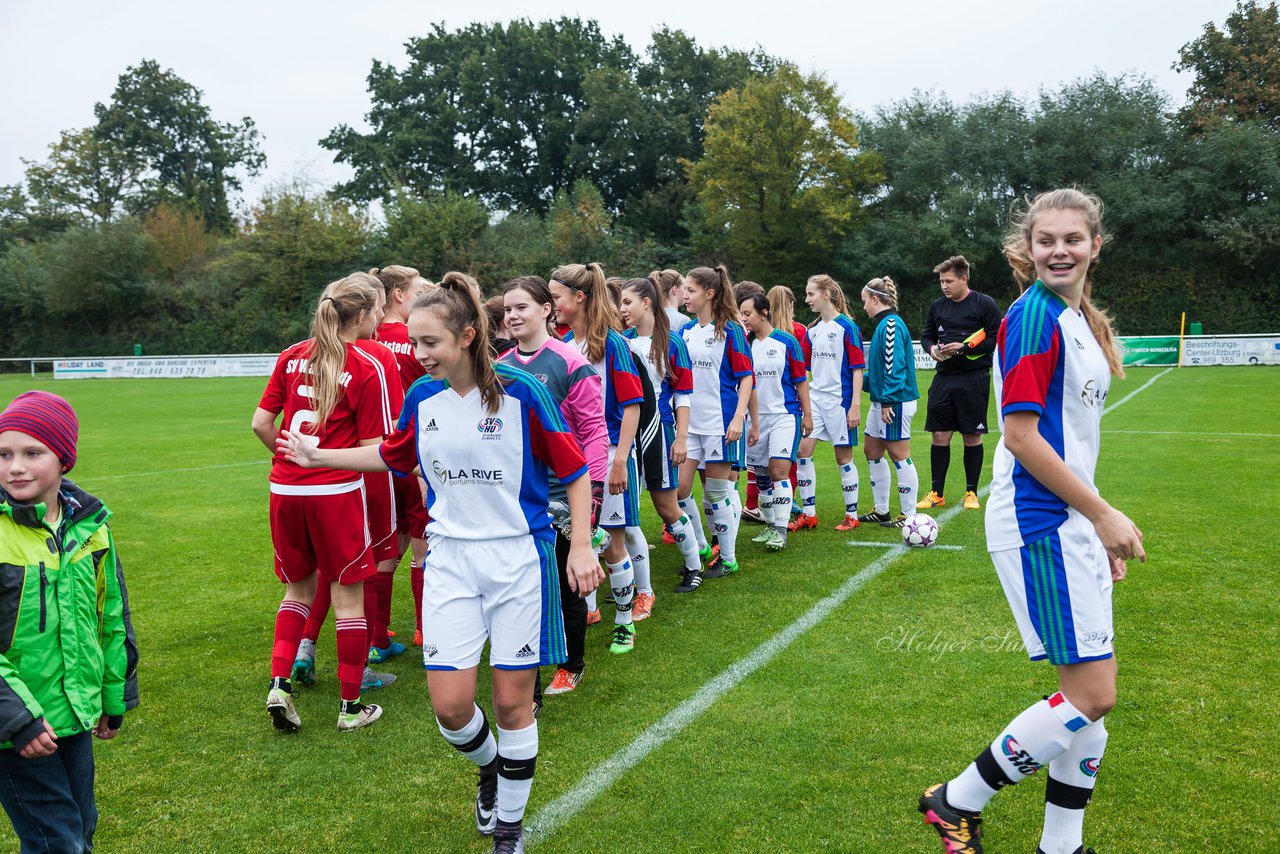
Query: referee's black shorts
x=958 y=402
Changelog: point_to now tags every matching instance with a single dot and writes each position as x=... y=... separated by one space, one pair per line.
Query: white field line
x=1137 y=391
x=871 y=545
x=557 y=813
x=1193 y=433
x=179 y=471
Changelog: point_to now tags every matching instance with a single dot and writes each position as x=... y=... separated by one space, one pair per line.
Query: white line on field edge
x=557 y=813
x=870 y=545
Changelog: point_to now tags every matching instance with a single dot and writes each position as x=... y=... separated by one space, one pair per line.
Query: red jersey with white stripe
x=394 y=334
x=363 y=411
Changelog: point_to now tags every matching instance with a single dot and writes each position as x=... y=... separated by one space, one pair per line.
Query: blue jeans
x=49 y=799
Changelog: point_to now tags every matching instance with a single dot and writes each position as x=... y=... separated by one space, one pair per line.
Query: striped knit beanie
x=47 y=418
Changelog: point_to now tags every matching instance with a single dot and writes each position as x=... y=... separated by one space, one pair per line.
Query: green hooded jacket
x=67 y=649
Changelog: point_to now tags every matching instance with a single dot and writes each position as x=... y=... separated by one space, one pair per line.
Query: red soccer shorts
x=326 y=533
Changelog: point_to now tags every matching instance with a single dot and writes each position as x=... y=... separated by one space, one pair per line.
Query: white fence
x=1196 y=350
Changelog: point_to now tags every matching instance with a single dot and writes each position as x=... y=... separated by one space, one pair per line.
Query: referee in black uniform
x=961 y=384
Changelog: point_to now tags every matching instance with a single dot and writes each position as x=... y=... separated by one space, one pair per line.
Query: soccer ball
x=919 y=531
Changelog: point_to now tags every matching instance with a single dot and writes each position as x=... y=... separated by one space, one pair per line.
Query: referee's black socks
x=972 y=466
x=939 y=462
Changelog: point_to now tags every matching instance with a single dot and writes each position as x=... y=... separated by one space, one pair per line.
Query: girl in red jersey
x=490 y=570
x=402 y=285
x=330 y=395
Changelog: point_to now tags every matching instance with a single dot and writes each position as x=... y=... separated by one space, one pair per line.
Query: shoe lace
x=505 y=843
x=488 y=787
x=621 y=634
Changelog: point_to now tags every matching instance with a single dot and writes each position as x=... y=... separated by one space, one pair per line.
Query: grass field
x=822 y=744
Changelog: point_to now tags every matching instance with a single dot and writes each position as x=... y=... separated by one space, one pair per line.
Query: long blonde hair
x=832 y=291
x=601 y=313
x=341 y=306
x=782 y=308
x=1017 y=250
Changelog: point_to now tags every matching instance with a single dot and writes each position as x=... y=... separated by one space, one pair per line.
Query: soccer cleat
x=763 y=536
x=690 y=582
x=642 y=607
x=803 y=522
x=417 y=637
x=753 y=515
x=377 y=654
x=304 y=671
x=960 y=831
x=971 y=501
x=284 y=716
x=667 y=539
x=777 y=541
x=728 y=567
x=874 y=517
x=624 y=638
x=352 y=715
x=930 y=501
x=593 y=617
x=706 y=554
x=373 y=681
x=487 y=799
x=896 y=522
x=537 y=708
x=564 y=682
x=1080 y=850
x=508 y=839
x=850 y=523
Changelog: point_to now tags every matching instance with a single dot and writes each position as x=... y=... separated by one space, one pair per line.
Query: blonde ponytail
x=341 y=306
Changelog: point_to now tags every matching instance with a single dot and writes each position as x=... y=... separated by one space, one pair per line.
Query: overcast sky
x=299 y=69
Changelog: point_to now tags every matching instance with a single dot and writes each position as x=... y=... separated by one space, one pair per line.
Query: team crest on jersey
x=542 y=378
x=490 y=428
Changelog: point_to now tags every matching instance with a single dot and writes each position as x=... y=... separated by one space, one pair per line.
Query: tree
x=86 y=178
x=489 y=109
x=433 y=234
x=578 y=226
x=1237 y=68
x=782 y=177
x=190 y=158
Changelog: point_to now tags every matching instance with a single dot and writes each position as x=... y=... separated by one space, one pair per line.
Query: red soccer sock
x=384 y=581
x=376 y=631
x=290 y=619
x=794 y=475
x=352 y=649
x=415 y=578
x=753 y=495
x=319 y=612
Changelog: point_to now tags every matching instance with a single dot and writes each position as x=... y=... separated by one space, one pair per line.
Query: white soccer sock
x=517 y=758
x=879 y=471
x=706 y=509
x=638 y=548
x=306 y=648
x=908 y=485
x=474 y=740
x=622 y=580
x=722 y=493
x=849 y=484
x=781 y=504
x=693 y=519
x=807 y=486
x=591 y=601
x=1071 y=780
x=1031 y=741
x=682 y=532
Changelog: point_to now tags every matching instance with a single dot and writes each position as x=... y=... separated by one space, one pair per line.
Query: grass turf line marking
x=1194 y=433
x=560 y=811
x=870 y=545
x=177 y=471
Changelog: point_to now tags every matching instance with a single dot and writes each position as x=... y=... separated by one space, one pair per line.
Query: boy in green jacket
x=68 y=660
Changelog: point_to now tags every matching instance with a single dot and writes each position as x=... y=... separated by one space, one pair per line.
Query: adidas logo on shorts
x=525 y=652
x=616 y=517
